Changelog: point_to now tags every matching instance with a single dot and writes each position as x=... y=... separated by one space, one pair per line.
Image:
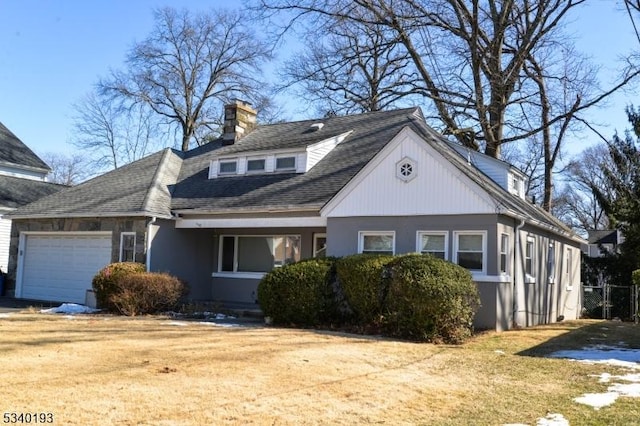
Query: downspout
x=151 y=222
x=517 y=275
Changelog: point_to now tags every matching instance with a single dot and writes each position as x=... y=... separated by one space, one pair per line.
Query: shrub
x=299 y=294
x=146 y=293
x=361 y=279
x=105 y=281
x=635 y=277
x=429 y=299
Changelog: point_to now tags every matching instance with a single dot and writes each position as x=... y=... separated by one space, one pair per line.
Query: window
x=255 y=165
x=377 y=242
x=470 y=249
x=504 y=254
x=128 y=247
x=319 y=245
x=551 y=263
x=433 y=243
x=286 y=163
x=528 y=256
x=228 y=167
x=257 y=253
x=569 y=270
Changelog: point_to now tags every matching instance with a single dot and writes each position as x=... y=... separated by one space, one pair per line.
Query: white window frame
x=552 y=263
x=568 y=268
x=227 y=161
x=264 y=168
x=530 y=278
x=362 y=234
x=504 y=251
x=420 y=234
x=285 y=169
x=456 y=237
x=317 y=236
x=244 y=274
x=122 y=237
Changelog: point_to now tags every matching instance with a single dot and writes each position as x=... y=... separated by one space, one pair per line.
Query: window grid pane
x=227 y=167
x=470 y=252
x=255 y=165
x=377 y=243
x=285 y=163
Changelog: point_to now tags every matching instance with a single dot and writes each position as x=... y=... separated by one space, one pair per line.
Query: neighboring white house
x=23 y=179
x=602 y=242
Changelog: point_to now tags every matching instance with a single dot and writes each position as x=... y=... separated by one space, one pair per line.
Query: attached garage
x=59 y=266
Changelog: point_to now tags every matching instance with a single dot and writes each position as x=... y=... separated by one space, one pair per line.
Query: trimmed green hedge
x=105 y=281
x=299 y=293
x=430 y=299
x=361 y=279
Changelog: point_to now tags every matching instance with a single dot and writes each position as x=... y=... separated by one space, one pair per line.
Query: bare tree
x=66 y=169
x=188 y=67
x=358 y=67
x=472 y=56
x=112 y=132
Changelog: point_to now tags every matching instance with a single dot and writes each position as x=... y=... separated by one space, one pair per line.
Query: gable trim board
x=358 y=196
x=59 y=266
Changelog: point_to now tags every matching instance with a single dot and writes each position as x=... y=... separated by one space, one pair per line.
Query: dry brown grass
x=111 y=370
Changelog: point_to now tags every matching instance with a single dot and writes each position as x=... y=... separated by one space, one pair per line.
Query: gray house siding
x=229 y=289
x=342 y=232
x=185 y=253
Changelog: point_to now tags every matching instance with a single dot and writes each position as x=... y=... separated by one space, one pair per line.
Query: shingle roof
x=604 y=236
x=16 y=192
x=14 y=151
x=370 y=132
x=174 y=181
x=139 y=188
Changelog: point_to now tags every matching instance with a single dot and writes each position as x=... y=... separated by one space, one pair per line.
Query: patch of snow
x=606 y=378
x=631 y=390
x=499 y=352
x=598 y=400
x=550 y=420
x=178 y=323
x=553 y=420
x=5 y=315
x=217 y=324
x=70 y=308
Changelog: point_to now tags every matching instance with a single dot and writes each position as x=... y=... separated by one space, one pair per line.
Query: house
x=23 y=178
x=221 y=215
x=602 y=242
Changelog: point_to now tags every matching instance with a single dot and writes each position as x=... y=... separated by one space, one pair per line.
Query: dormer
x=295 y=160
x=510 y=178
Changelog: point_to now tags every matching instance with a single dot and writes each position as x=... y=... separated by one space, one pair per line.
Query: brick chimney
x=239 y=120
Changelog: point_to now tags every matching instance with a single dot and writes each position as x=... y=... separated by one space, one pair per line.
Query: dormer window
x=285 y=163
x=228 y=167
x=256 y=165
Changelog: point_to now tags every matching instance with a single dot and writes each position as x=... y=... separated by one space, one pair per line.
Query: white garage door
x=60 y=267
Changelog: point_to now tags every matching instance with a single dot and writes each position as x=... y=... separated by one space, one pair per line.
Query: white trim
x=529 y=277
x=122 y=235
x=419 y=235
x=507 y=263
x=569 y=267
x=65 y=233
x=362 y=234
x=238 y=275
x=285 y=169
x=479 y=277
x=254 y=222
x=454 y=258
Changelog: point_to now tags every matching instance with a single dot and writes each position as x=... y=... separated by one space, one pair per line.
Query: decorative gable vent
x=406 y=169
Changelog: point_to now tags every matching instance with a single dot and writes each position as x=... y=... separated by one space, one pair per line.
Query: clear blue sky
x=53 y=51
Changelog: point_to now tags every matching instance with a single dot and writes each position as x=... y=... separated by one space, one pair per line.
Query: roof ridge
x=155 y=180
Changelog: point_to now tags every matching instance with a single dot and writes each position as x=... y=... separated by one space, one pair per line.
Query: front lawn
x=154 y=370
